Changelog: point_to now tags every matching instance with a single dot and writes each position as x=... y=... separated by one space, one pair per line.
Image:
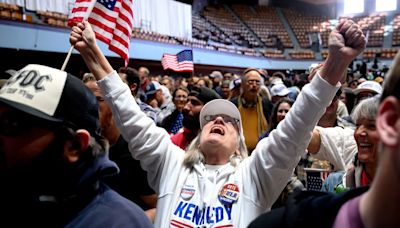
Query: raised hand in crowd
x=187 y=198
x=346 y=42
x=84 y=40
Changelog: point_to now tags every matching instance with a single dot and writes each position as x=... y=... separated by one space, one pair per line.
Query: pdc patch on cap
x=36 y=86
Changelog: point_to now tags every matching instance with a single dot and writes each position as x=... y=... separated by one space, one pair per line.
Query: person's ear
x=386 y=120
x=74 y=148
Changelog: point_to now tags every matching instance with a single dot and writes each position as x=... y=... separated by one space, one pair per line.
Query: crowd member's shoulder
x=235 y=101
x=109 y=209
x=168 y=120
x=311 y=209
x=267 y=103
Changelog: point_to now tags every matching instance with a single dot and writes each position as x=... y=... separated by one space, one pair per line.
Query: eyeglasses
x=15 y=123
x=225 y=118
x=253 y=82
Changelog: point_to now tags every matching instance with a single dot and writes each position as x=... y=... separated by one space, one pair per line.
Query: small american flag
x=181 y=62
x=111 y=20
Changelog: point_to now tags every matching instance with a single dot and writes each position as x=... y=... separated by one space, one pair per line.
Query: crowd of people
x=125 y=148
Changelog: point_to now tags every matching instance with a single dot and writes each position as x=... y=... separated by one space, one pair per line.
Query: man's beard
x=46 y=174
x=48 y=191
x=191 y=122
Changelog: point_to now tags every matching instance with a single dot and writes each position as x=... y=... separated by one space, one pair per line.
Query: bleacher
x=385 y=53
x=225 y=21
x=11 y=12
x=396 y=30
x=217 y=28
x=153 y=36
x=302 y=54
x=265 y=23
x=273 y=54
x=53 y=18
x=204 y=30
x=304 y=24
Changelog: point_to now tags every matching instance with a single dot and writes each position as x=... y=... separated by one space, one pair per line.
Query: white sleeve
x=338 y=146
x=147 y=142
x=272 y=163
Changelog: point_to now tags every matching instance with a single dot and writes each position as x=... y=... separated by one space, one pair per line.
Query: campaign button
x=229 y=194
x=187 y=192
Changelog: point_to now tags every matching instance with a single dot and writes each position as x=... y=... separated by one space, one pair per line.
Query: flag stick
x=67 y=58
x=89 y=8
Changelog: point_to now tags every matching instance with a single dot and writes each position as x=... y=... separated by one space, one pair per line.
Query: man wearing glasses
x=254 y=109
x=214 y=183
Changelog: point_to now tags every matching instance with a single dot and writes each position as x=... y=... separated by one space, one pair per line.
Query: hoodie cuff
x=322 y=89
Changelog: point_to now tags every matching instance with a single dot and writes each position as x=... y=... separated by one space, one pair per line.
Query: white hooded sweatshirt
x=223 y=196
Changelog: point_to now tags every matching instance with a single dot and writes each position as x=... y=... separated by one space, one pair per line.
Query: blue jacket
x=109 y=209
x=51 y=193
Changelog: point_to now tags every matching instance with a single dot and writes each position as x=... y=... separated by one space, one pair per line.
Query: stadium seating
x=53 y=19
x=12 y=12
x=302 y=54
x=396 y=31
x=386 y=53
x=139 y=33
x=225 y=21
x=204 y=30
x=265 y=23
x=273 y=54
x=304 y=24
x=248 y=30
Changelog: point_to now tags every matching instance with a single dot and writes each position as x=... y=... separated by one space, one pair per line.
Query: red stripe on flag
x=74 y=21
x=120 y=40
x=125 y=18
x=102 y=38
x=122 y=29
x=79 y=9
x=104 y=15
x=128 y=19
x=101 y=25
x=118 y=51
x=112 y=24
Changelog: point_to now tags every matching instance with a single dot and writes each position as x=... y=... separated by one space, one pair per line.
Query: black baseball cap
x=52 y=95
x=204 y=94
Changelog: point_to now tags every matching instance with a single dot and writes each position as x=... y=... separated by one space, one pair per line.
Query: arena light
x=385 y=5
x=353 y=6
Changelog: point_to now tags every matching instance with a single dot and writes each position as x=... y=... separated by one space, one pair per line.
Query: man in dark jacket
x=52 y=158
